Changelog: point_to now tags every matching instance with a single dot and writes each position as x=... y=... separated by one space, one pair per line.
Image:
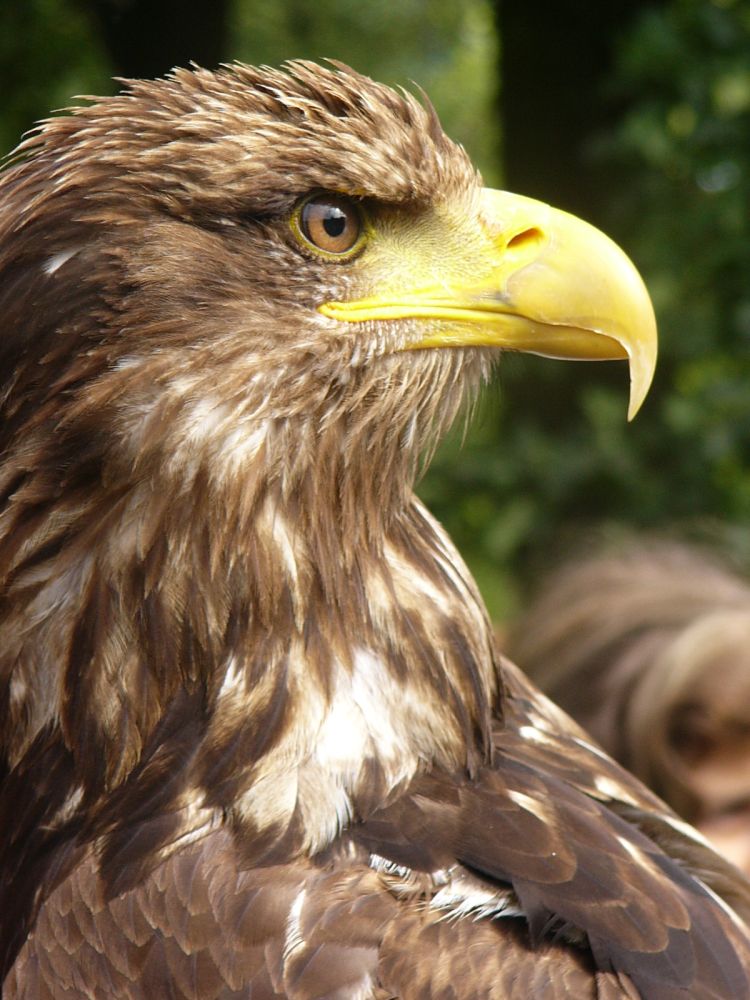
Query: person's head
x=649 y=649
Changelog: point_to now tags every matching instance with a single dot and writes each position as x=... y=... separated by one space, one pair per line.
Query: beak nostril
x=528 y=237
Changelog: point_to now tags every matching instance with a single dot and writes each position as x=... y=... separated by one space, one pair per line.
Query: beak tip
x=642 y=367
x=638 y=394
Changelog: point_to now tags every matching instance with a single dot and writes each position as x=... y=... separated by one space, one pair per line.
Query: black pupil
x=334 y=222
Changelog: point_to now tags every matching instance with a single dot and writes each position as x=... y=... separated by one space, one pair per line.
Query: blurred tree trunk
x=556 y=60
x=147 y=38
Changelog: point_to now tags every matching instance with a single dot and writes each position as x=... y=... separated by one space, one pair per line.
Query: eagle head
x=297 y=262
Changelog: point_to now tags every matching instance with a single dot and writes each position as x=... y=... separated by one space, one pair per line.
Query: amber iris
x=331 y=223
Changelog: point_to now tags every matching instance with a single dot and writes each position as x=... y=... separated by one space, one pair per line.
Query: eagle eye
x=330 y=224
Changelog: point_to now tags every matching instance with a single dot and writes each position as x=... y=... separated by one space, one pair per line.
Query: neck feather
x=251 y=620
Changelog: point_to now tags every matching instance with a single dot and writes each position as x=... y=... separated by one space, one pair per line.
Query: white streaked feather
x=56 y=260
x=613 y=789
x=463 y=895
x=533 y=734
x=635 y=852
x=686 y=830
x=293 y=939
x=387 y=867
x=531 y=805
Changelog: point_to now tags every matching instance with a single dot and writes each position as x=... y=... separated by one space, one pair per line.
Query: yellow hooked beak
x=536 y=280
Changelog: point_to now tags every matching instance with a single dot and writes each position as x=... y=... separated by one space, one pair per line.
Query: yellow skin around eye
x=510 y=273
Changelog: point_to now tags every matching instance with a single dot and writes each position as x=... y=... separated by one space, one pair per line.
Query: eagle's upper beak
x=541 y=281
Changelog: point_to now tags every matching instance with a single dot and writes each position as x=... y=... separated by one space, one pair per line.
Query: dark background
x=633 y=115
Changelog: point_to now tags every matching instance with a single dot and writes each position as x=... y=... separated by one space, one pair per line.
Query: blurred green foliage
x=52 y=49
x=49 y=51
x=686 y=214
x=558 y=456
x=549 y=452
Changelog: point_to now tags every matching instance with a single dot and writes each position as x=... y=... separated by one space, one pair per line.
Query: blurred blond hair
x=649 y=649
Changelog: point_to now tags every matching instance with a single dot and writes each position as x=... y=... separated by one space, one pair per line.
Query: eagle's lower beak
x=547 y=284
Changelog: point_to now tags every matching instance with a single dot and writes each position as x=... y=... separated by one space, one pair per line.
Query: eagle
x=256 y=740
